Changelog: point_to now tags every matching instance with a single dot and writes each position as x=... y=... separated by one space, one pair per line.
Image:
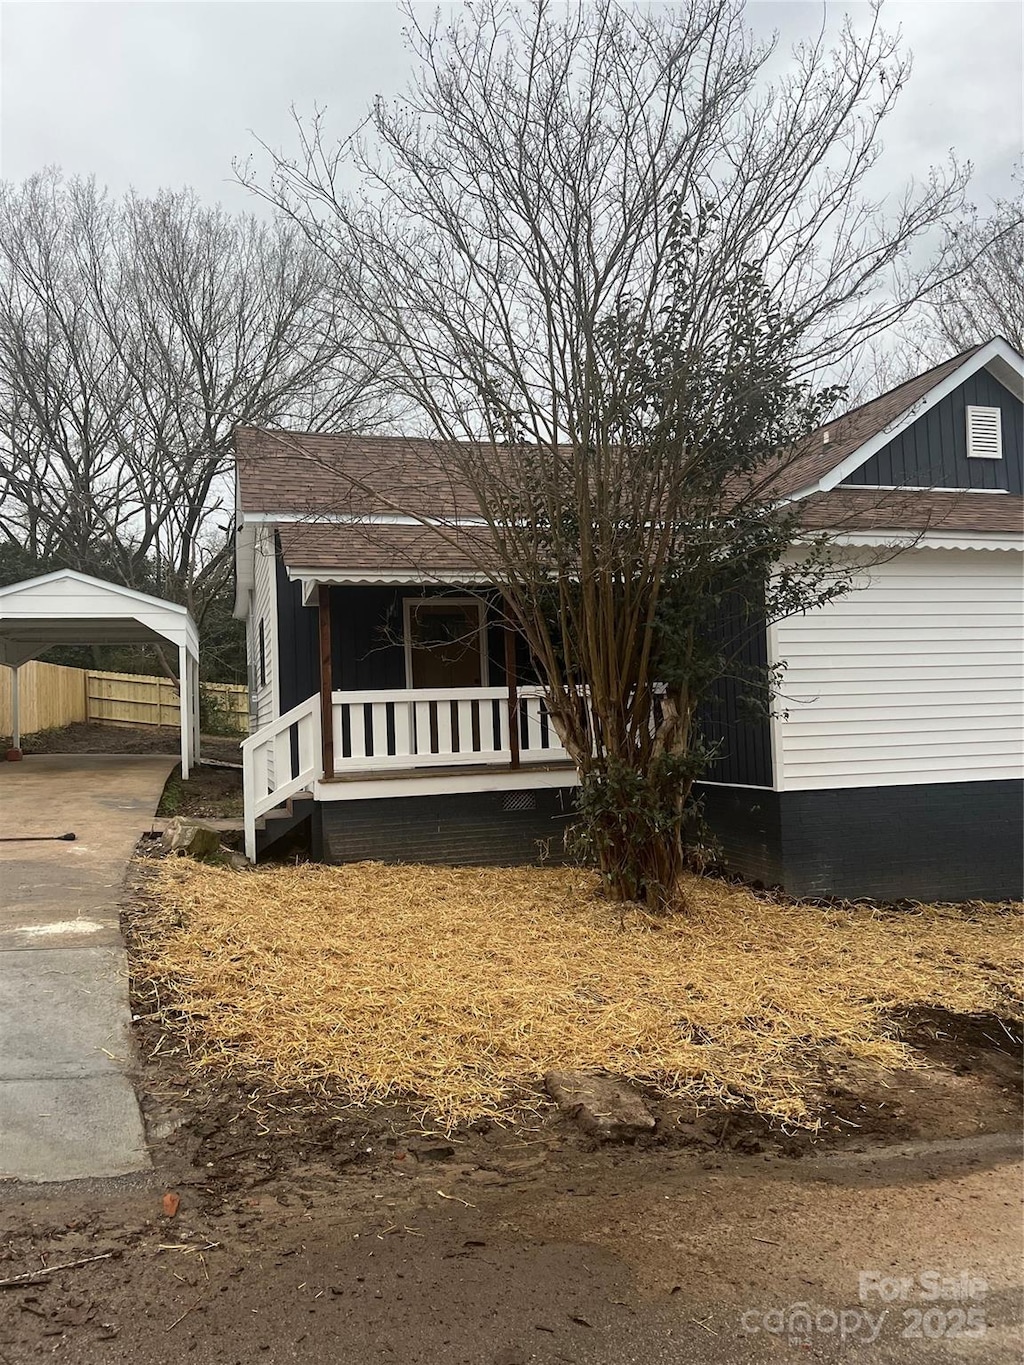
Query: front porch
x=403 y=743
x=407 y=691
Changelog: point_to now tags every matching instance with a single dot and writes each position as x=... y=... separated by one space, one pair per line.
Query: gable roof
x=825 y=457
x=307 y=473
x=68 y=607
x=371 y=552
x=351 y=504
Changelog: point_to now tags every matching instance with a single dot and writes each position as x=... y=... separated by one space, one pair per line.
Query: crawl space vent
x=519 y=801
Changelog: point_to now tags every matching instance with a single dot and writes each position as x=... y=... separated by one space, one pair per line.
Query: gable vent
x=984 y=434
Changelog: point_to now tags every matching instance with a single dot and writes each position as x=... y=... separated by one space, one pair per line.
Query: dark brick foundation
x=947 y=841
x=506 y=829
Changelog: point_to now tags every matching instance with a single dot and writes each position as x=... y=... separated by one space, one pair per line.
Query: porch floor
x=445 y=770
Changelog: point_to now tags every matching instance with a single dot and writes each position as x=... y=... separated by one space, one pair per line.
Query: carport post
x=16 y=707
x=184 y=706
x=196 y=757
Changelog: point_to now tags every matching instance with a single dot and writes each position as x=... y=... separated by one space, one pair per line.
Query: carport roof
x=71 y=608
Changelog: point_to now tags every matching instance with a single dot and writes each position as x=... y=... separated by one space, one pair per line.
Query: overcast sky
x=162 y=92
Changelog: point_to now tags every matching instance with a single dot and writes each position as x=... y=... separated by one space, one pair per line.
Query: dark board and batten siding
x=932 y=452
x=368 y=653
x=297 y=642
x=734 y=719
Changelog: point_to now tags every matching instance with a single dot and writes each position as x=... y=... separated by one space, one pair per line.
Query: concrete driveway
x=67 y=1107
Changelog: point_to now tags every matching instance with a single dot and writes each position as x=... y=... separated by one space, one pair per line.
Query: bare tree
x=982 y=298
x=605 y=253
x=986 y=298
x=134 y=335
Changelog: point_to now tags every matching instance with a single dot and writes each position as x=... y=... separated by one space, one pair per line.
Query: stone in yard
x=193 y=837
x=605 y=1107
x=426 y=1149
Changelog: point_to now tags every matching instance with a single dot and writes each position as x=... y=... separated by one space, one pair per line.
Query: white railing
x=279 y=760
x=424 y=727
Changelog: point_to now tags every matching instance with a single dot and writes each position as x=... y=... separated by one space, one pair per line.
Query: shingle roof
x=373 y=549
x=815 y=458
x=308 y=475
x=305 y=473
x=872 y=509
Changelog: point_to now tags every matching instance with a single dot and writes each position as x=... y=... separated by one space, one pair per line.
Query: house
x=395 y=712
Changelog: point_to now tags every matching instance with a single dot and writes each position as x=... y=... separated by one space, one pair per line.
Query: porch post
x=323 y=603
x=16 y=707
x=184 y=707
x=513 y=695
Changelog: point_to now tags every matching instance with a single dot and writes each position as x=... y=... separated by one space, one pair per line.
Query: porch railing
x=282 y=758
x=424 y=727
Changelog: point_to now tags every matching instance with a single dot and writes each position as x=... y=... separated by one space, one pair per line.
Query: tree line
x=135 y=333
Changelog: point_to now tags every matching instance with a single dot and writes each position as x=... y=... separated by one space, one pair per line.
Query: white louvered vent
x=984 y=434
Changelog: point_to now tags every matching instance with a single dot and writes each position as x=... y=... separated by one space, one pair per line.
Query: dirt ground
x=93 y=738
x=317 y=1233
x=278 y=1228
x=209 y=792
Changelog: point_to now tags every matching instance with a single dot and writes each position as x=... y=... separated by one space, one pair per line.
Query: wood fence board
x=50 y=696
x=53 y=696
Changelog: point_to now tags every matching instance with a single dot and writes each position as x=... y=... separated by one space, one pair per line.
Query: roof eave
x=903 y=538
x=245 y=574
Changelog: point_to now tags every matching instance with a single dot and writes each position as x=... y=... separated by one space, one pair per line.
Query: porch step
x=273 y=826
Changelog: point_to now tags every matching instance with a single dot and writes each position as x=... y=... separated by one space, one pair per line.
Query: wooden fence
x=49 y=696
x=53 y=696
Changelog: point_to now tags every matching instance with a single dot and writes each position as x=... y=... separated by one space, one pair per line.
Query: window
x=262 y=656
x=984 y=434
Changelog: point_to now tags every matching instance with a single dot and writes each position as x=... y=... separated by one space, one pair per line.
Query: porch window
x=445 y=642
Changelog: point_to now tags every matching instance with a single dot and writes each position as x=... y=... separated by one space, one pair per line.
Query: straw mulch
x=459 y=988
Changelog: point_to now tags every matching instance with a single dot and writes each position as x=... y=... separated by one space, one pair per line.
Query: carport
x=70 y=608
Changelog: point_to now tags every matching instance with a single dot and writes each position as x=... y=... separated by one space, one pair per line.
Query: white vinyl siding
x=916 y=677
x=264 y=610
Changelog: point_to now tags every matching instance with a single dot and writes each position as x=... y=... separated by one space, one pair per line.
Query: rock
x=193 y=837
x=601 y=1105
x=429 y=1150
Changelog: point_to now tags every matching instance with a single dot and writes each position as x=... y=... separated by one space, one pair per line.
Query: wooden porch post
x=513 y=696
x=323 y=603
